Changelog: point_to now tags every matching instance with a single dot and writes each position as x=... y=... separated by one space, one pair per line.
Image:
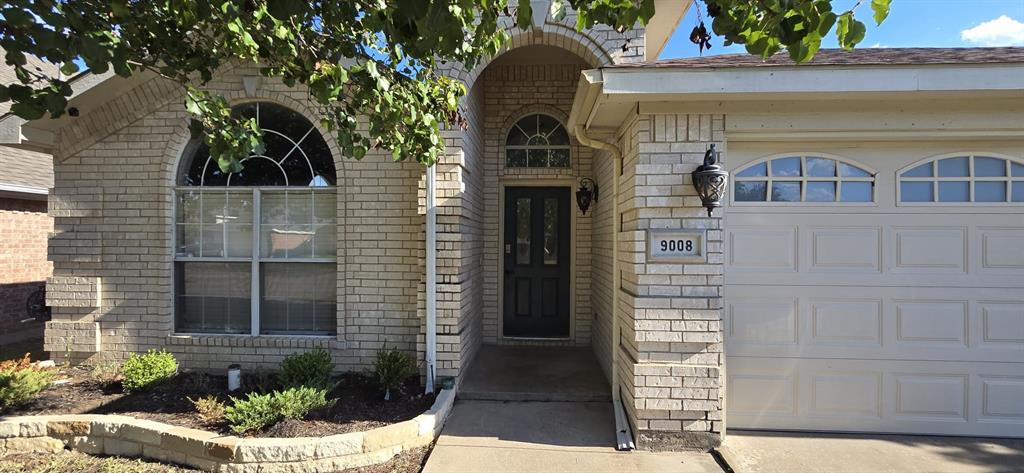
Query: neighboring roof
x=24 y=172
x=855 y=57
x=25 y=168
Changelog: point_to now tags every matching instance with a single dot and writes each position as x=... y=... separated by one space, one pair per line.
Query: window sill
x=257 y=341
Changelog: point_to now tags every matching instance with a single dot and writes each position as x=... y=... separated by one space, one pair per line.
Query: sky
x=911 y=23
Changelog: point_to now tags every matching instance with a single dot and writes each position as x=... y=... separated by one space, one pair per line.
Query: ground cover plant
x=21 y=381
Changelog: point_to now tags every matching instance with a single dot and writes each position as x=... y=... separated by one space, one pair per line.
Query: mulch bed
x=358 y=405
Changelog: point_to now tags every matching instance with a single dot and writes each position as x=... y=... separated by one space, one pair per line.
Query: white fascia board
x=631 y=84
x=588 y=90
x=23 y=192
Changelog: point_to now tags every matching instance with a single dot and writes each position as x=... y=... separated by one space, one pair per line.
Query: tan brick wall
x=672 y=351
x=112 y=207
x=24 y=227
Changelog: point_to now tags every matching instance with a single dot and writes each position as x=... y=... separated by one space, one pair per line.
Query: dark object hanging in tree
x=710 y=180
x=586 y=194
x=701 y=37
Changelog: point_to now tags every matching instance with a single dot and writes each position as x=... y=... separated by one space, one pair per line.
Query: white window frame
x=803 y=180
x=970 y=179
x=254 y=260
x=549 y=147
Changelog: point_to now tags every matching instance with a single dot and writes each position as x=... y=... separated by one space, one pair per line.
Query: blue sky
x=911 y=23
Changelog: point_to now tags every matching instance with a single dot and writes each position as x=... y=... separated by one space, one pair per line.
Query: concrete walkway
x=508 y=436
x=839 y=453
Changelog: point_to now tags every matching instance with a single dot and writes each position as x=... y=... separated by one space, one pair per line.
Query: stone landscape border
x=103 y=434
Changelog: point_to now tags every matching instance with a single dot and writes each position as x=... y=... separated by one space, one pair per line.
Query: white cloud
x=1002 y=31
x=878 y=45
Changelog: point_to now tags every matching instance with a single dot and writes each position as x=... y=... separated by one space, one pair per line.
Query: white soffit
x=667 y=15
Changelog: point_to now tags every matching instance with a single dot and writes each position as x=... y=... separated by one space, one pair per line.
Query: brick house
x=864 y=274
x=25 y=179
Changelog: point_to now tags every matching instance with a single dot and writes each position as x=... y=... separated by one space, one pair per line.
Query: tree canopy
x=376 y=60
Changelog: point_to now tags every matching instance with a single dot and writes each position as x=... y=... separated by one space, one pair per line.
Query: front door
x=536 y=248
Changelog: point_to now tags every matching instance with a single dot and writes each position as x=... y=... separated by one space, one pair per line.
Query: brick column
x=672 y=356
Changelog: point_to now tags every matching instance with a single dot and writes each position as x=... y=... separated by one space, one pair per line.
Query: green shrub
x=20 y=381
x=255 y=412
x=144 y=371
x=259 y=411
x=312 y=368
x=297 y=403
x=392 y=368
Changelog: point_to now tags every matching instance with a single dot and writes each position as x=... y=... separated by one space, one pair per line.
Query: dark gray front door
x=537 y=263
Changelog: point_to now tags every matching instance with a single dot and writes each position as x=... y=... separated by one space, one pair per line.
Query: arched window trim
x=1010 y=179
x=546 y=147
x=273 y=243
x=189 y=155
x=803 y=179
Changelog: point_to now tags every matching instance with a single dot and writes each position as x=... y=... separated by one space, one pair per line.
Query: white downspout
x=623 y=434
x=431 y=249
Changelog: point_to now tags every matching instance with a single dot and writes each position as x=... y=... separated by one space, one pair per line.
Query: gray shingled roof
x=17 y=166
x=856 y=57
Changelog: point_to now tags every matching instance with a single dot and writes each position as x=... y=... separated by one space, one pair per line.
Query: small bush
x=392 y=368
x=255 y=412
x=108 y=372
x=144 y=371
x=259 y=380
x=209 y=408
x=312 y=368
x=21 y=381
x=297 y=403
x=259 y=411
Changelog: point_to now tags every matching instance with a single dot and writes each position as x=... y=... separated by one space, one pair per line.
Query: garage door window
x=963 y=179
x=803 y=179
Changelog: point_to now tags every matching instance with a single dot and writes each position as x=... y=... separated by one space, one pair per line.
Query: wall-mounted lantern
x=586 y=194
x=710 y=180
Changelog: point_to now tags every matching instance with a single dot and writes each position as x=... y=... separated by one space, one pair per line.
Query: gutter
x=623 y=434
x=18 y=191
x=431 y=269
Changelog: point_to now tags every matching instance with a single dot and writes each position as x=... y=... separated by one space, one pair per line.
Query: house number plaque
x=676 y=246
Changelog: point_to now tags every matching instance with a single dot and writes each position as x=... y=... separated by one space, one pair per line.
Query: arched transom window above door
x=963 y=179
x=809 y=178
x=537 y=141
x=254 y=251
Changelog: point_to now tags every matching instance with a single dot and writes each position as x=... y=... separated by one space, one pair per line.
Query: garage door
x=876 y=292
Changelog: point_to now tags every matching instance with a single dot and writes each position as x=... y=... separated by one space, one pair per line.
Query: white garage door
x=848 y=311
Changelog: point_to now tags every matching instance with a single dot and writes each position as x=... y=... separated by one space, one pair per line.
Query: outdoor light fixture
x=586 y=194
x=710 y=180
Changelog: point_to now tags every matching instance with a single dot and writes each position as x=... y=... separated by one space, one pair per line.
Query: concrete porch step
x=534 y=373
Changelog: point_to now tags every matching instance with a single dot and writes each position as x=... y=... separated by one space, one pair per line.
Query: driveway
x=814 y=452
x=510 y=436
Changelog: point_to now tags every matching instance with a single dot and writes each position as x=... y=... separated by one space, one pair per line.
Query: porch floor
x=535 y=373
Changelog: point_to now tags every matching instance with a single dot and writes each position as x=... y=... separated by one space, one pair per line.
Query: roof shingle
x=856 y=57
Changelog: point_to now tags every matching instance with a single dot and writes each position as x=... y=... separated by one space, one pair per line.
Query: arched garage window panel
x=963 y=179
x=795 y=179
x=255 y=250
x=537 y=141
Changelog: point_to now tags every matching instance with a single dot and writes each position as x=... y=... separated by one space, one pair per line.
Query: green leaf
x=557 y=11
x=28 y=110
x=285 y=9
x=69 y=68
x=849 y=31
x=4 y=94
x=881 y=9
x=524 y=14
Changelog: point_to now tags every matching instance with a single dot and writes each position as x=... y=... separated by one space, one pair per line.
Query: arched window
x=255 y=250
x=537 y=141
x=794 y=179
x=963 y=179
